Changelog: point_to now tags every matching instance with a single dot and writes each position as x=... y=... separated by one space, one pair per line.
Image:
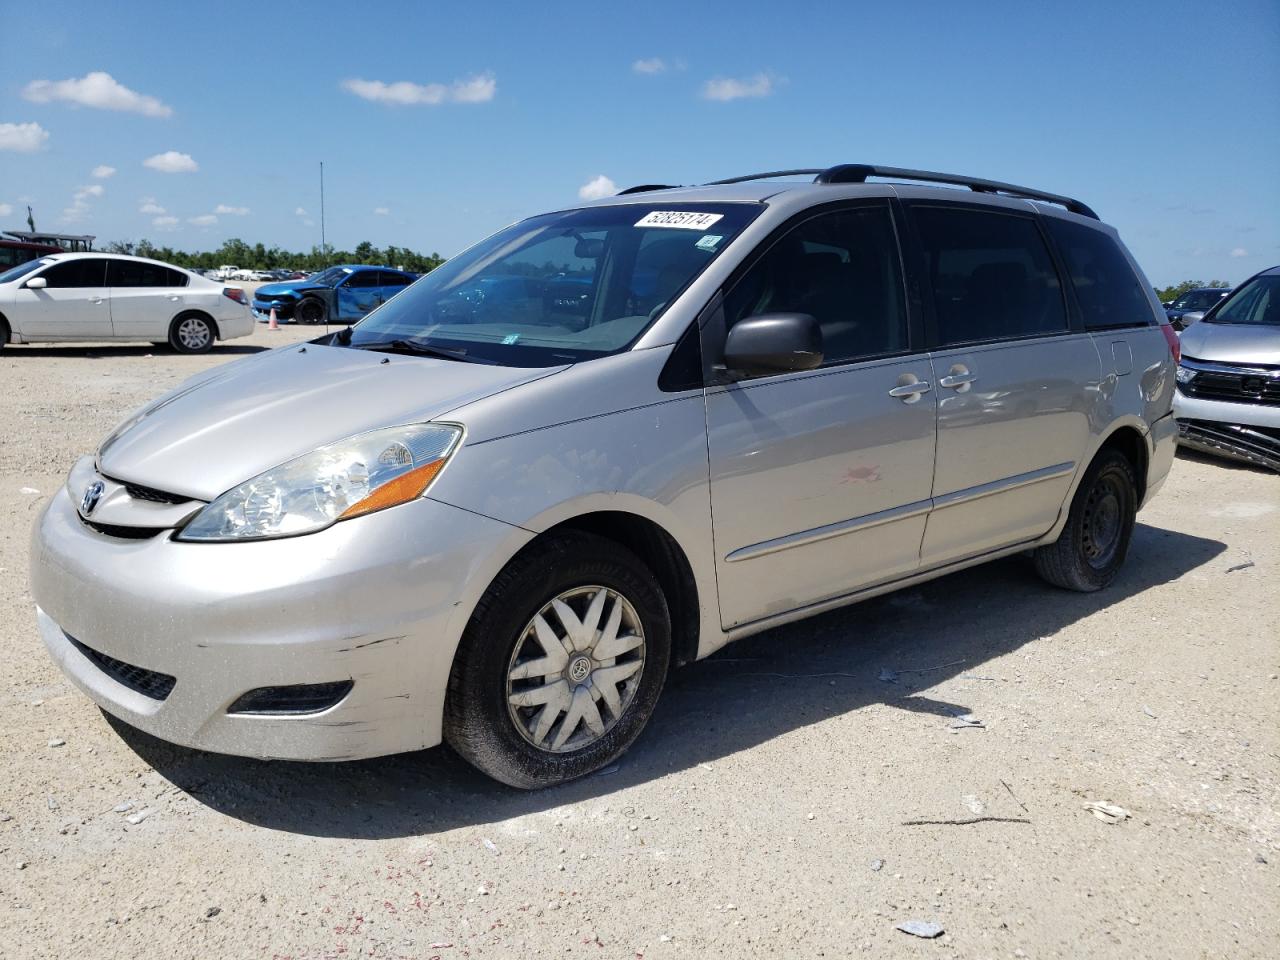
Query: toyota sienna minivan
x=603 y=442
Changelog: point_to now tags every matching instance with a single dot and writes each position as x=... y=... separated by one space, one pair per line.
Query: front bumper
x=380 y=601
x=1248 y=432
x=262 y=309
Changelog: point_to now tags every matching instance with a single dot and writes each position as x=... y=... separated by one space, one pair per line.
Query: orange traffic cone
x=271 y=323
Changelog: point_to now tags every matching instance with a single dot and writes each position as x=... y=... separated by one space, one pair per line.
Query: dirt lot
x=791 y=798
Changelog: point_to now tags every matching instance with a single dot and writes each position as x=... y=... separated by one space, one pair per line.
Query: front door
x=358 y=294
x=1013 y=380
x=74 y=304
x=820 y=480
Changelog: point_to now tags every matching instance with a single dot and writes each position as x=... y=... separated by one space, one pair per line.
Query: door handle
x=95 y=299
x=957 y=381
x=174 y=297
x=910 y=392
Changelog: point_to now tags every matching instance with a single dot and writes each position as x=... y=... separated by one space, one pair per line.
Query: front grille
x=149 y=683
x=1257 y=445
x=1248 y=385
x=122 y=533
x=294 y=699
x=139 y=492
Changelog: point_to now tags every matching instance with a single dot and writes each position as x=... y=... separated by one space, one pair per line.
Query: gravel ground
x=798 y=795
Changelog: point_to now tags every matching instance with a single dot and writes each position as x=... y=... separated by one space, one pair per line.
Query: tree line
x=260 y=257
x=1167 y=294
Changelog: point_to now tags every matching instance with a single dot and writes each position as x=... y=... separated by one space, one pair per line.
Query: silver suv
x=603 y=442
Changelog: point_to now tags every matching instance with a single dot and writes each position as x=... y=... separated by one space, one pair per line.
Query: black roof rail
x=646 y=187
x=859 y=172
x=765 y=176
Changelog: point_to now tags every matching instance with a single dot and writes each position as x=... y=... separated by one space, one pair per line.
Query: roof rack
x=859 y=172
x=645 y=188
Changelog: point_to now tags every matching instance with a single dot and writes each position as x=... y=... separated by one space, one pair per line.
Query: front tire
x=561 y=665
x=310 y=310
x=1092 y=547
x=192 y=333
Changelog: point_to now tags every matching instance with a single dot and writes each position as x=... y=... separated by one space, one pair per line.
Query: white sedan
x=104 y=296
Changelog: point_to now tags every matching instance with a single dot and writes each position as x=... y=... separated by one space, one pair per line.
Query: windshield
x=558 y=288
x=22 y=269
x=1257 y=302
x=328 y=278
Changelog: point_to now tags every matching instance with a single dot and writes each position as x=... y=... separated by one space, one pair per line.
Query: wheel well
x=1131 y=444
x=660 y=552
x=5 y=332
x=217 y=334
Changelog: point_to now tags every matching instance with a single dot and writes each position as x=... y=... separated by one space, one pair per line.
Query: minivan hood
x=231 y=424
x=1232 y=342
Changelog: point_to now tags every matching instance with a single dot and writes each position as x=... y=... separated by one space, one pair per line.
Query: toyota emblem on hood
x=92 y=494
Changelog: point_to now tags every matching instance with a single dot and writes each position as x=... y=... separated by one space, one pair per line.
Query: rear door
x=390 y=283
x=1014 y=379
x=145 y=297
x=820 y=480
x=74 y=305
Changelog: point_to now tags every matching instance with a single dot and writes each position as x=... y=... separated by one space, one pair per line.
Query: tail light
x=1171 y=338
x=236 y=294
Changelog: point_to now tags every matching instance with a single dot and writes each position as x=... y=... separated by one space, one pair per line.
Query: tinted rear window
x=1106 y=287
x=992 y=275
x=130 y=273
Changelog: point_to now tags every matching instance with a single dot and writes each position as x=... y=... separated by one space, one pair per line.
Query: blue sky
x=1165 y=117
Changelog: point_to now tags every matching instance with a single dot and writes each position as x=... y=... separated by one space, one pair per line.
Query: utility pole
x=323 y=246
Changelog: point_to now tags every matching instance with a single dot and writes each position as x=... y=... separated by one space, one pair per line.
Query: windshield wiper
x=418 y=348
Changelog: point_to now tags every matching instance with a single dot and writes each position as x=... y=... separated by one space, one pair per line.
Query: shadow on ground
x=78 y=352
x=753 y=691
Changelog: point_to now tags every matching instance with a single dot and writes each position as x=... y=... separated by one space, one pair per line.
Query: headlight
x=1185 y=375
x=359 y=475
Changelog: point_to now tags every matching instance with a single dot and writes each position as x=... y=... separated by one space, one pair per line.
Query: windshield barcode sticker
x=679 y=219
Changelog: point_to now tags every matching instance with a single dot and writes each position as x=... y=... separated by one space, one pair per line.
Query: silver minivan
x=603 y=442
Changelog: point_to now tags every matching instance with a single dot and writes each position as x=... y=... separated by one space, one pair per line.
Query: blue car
x=342 y=294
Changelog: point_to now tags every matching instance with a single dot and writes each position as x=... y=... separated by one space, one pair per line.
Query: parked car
x=1228 y=399
x=341 y=294
x=14 y=252
x=501 y=527
x=1191 y=306
x=226 y=272
x=103 y=296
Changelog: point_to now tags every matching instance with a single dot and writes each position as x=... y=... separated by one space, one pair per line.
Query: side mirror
x=37 y=283
x=774 y=343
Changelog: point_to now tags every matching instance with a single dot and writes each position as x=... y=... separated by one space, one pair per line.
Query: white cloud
x=80 y=202
x=232 y=211
x=204 y=220
x=597 y=187
x=149 y=206
x=652 y=65
x=300 y=212
x=22 y=137
x=381 y=212
x=729 y=88
x=478 y=89
x=171 y=161
x=99 y=90
x=1239 y=252
x=102 y=172
x=165 y=223
x=5 y=209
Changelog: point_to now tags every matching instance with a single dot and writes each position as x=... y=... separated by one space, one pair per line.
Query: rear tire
x=508 y=740
x=1092 y=547
x=310 y=310
x=192 y=333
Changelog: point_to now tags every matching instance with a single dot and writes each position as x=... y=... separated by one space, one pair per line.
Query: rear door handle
x=95 y=299
x=910 y=392
x=174 y=297
x=957 y=380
